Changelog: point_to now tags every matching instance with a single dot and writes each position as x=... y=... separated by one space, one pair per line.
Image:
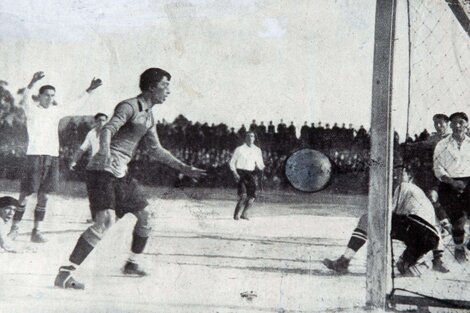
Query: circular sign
x=308 y=170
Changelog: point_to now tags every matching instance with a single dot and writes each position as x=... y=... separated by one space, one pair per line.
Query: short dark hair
x=8 y=201
x=151 y=77
x=440 y=116
x=251 y=132
x=461 y=115
x=98 y=115
x=46 y=87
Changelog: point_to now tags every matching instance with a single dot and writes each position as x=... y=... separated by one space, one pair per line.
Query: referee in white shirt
x=246 y=160
x=451 y=164
x=92 y=144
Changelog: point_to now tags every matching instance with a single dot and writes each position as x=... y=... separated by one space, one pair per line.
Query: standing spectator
x=304 y=133
x=253 y=126
x=242 y=132
x=271 y=128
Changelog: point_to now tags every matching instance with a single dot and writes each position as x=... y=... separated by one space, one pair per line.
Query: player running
x=113 y=189
x=247 y=159
x=92 y=144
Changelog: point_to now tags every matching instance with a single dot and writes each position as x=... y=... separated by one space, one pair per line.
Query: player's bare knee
x=103 y=221
x=250 y=199
x=143 y=226
x=23 y=199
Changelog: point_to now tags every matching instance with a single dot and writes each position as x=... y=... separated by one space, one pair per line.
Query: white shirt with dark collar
x=247 y=158
x=450 y=159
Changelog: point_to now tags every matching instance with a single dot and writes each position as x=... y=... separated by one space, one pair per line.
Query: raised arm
x=27 y=91
x=76 y=104
x=169 y=159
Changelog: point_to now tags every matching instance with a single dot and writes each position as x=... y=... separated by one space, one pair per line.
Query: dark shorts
x=40 y=174
x=454 y=203
x=418 y=235
x=426 y=180
x=247 y=183
x=107 y=192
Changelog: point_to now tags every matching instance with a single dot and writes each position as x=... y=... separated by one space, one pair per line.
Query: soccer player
x=246 y=160
x=452 y=168
x=113 y=189
x=413 y=218
x=92 y=144
x=8 y=205
x=41 y=170
x=441 y=123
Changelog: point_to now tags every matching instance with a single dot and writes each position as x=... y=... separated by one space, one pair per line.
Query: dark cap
x=461 y=115
x=440 y=116
x=8 y=201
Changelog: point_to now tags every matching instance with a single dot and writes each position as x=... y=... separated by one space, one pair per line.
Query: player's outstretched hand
x=194 y=172
x=95 y=83
x=37 y=76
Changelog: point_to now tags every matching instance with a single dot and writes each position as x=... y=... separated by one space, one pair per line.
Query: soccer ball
x=308 y=170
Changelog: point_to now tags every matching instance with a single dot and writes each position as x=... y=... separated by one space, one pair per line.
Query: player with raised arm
x=113 y=189
x=92 y=144
x=41 y=170
x=245 y=161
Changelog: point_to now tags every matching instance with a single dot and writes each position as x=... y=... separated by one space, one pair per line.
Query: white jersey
x=91 y=142
x=247 y=158
x=43 y=126
x=409 y=199
x=450 y=159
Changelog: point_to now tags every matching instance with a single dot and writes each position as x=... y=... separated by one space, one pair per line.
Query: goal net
x=431 y=75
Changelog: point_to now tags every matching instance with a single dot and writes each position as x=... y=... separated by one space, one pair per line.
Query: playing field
x=200 y=259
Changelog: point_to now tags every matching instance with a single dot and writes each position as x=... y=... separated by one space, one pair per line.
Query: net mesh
x=437 y=62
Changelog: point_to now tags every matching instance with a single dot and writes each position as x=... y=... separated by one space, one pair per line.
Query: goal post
x=380 y=181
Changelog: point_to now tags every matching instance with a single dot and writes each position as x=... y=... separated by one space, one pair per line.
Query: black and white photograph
x=234 y=156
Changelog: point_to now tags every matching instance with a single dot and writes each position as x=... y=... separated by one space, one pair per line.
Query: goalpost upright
x=381 y=163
